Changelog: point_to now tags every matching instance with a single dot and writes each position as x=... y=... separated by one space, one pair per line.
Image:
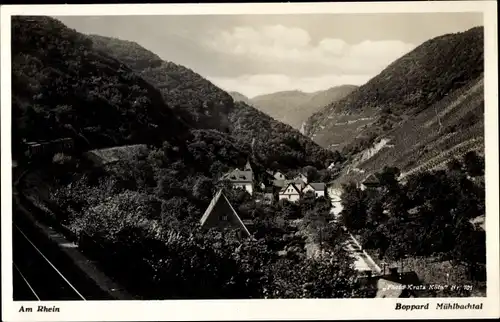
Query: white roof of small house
x=284 y=189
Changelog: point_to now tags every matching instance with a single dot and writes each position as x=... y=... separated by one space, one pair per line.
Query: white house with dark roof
x=290 y=192
x=370 y=182
x=298 y=182
x=318 y=188
x=240 y=179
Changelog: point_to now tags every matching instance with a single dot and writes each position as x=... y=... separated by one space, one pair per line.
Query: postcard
x=282 y=161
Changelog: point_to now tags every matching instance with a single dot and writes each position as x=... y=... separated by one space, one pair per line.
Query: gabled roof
x=279 y=172
x=300 y=176
x=296 y=182
x=238 y=175
x=217 y=201
x=371 y=179
x=317 y=186
x=282 y=191
x=114 y=154
x=248 y=166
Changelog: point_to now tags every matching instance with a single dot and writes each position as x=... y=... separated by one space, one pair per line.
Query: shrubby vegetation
x=139 y=217
x=195 y=99
x=277 y=146
x=429 y=216
x=144 y=223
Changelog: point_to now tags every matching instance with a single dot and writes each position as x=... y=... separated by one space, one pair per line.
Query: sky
x=260 y=54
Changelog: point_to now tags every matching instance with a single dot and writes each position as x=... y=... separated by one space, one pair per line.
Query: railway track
x=35 y=276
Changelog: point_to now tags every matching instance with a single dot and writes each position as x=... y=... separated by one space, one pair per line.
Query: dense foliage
x=63 y=88
x=140 y=218
x=198 y=101
x=428 y=216
x=277 y=145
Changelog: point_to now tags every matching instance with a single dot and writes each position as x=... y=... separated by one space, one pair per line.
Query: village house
x=109 y=156
x=318 y=188
x=290 y=192
x=301 y=177
x=370 y=182
x=221 y=214
x=335 y=195
x=279 y=176
x=298 y=182
x=279 y=179
x=240 y=179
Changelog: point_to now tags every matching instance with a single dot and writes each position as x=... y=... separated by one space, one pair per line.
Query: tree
x=353 y=214
x=474 y=164
x=454 y=165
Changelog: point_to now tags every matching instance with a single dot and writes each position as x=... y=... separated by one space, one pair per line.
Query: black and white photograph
x=246 y=156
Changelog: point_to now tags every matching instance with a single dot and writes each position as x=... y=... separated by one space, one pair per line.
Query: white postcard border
x=300 y=309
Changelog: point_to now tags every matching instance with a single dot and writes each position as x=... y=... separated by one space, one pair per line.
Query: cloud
x=258 y=84
x=289 y=47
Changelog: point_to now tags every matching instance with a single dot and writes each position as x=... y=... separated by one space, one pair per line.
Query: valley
x=156 y=173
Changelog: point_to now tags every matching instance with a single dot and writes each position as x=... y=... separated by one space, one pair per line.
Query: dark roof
x=248 y=166
x=317 y=186
x=114 y=154
x=371 y=179
x=220 y=200
x=238 y=175
x=279 y=183
x=296 y=182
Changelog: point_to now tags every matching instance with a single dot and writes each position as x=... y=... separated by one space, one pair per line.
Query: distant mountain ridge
x=238 y=97
x=415 y=111
x=294 y=107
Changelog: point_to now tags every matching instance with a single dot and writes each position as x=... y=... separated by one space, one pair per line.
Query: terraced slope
x=420 y=111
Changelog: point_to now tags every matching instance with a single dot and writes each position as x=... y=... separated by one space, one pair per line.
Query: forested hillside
x=61 y=87
x=277 y=145
x=204 y=105
x=421 y=108
x=198 y=101
x=138 y=216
